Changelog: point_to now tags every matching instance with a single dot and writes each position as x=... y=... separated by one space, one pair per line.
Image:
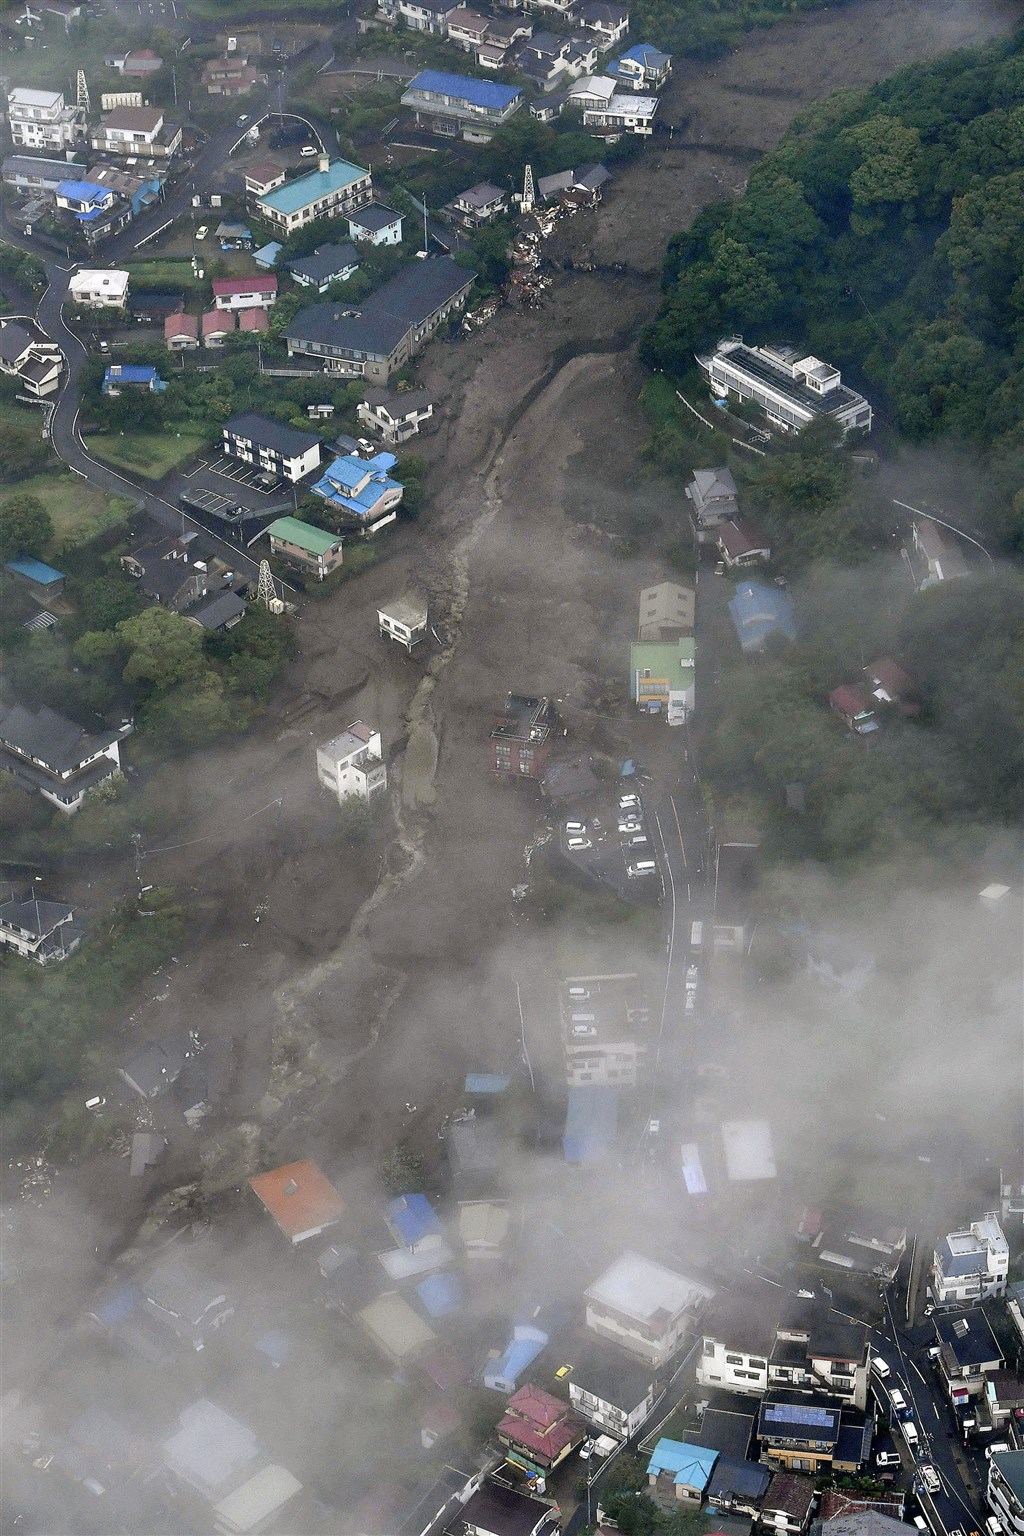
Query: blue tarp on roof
x=34 y=570
x=83 y=191
x=440 y=1294
x=130 y=373
x=479 y=93
x=645 y=54
x=486 y=1082
x=526 y=1343
x=412 y=1219
x=690 y=1465
x=758 y=611
x=590 y=1122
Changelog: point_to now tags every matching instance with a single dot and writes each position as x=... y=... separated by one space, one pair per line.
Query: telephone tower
x=83 y=92
x=265 y=592
x=529 y=194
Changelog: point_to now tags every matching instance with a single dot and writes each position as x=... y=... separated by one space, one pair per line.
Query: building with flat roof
x=450 y=105
x=792 y=388
x=334 y=189
x=351 y=765
x=404 y=620
x=40 y=119
x=622 y=113
x=644 y=1307
x=662 y=676
x=1005 y=1491
x=98 y=289
x=521 y=737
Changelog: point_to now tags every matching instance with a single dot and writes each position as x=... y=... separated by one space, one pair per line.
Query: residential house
x=679 y=1472
x=623 y=113
x=141 y=131
x=797 y=1436
x=326 y=265
x=217 y=325
x=181 y=332
x=39 y=930
x=87 y=201
x=483 y=1226
x=138 y=190
x=396 y=1329
x=256 y=1504
x=642 y=68
x=404 y=620
x=563 y=10
x=496 y=1509
x=153 y=308
x=662 y=678
x=31 y=173
x=1005 y=1491
x=477 y=206
x=1001 y=1405
x=573 y=187
x=335 y=189
x=118 y=376
x=376 y=336
x=967 y=1352
x=412 y=1221
x=155 y=1068
x=351 y=765
x=728 y=1432
x=450 y=105
x=311 y=550
x=230 y=75
x=43 y=582
x=28 y=354
x=396 y=417
x=644 y=1307
x=713 y=500
x=260 y=180
x=591 y=92
x=375 y=224
x=790 y=387
x=467 y=29
x=47 y=753
x=614 y=1392
x=853 y=706
x=757 y=1340
x=362 y=489
x=237 y=293
x=98 y=290
x=891 y=686
x=788 y=1504
x=221 y=612
x=166 y=573
x=521 y=737
x=666 y=612
x=741 y=544
x=182 y=1298
x=737 y=1487
x=139 y=63
x=544 y=59
x=503 y=1372
x=271 y=446
x=251 y=321
x=211 y=1451
x=431 y=16
x=736 y=872
x=759 y=612
x=538 y=1431
x=937 y=553
x=40 y=120
x=300 y=1198
x=609 y=22
x=583 y=54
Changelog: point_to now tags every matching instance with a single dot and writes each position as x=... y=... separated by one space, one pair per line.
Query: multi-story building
x=275 y=448
x=972 y=1264
x=713 y=500
x=429 y=16
x=395 y=417
x=1005 y=1492
x=98 y=289
x=662 y=678
x=351 y=766
x=40 y=119
x=46 y=752
x=32 y=173
x=521 y=737
x=39 y=930
x=237 y=293
x=336 y=188
x=756 y=1342
x=404 y=620
x=141 y=131
x=538 y=1431
x=790 y=387
x=642 y=68
x=310 y=550
x=28 y=354
x=476 y=206
x=450 y=105
x=623 y=113
x=362 y=489
x=612 y=1391
x=375 y=224
x=967 y=1352
x=644 y=1307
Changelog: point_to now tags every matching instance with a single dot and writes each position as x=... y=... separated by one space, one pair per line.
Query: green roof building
x=335 y=188
x=661 y=677
x=310 y=549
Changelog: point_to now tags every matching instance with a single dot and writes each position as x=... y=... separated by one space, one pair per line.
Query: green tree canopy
x=26 y=527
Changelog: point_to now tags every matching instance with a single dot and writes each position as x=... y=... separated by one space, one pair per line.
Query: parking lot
x=613 y=846
x=243 y=477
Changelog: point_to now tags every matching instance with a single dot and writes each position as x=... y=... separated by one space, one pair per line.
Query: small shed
x=41 y=579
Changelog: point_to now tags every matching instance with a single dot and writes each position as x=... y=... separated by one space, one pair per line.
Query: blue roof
x=83 y=191
x=118 y=1305
x=276 y=1345
x=440 y=1294
x=267 y=254
x=35 y=570
x=690 y=1465
x=645 y=54
x=480 y=93
x=486 y=1082
x=412 y=1218
x=130 y=373
x=502 y=1374
x=340 y=479
x=590 y=1122
x=307 y=189
x=758 y=611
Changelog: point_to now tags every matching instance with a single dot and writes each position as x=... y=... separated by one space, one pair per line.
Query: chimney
x=324 y=163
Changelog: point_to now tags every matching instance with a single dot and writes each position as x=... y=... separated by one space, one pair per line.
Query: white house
x=644 y=1307
x=38 y=930
x=404 y=620
x=271 y=446
x=758 y=1340
x=45 y=752
x=376 y=225
x=245 y=292
x=971 y=1265
x=790 y=387
x=98 y=290
x=611 y=1392
x=395 y=416
x=351 y=766
x=40 y=120
x=623 y=114
x=137 y=131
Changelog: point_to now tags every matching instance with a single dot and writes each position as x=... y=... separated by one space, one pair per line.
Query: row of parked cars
x=636 y=845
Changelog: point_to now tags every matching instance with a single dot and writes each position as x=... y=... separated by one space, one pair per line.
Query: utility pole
x=137 y=845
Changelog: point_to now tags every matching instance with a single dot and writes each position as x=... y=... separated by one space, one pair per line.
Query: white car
x=583 y=1031
x=307 y=150
x=577 y=844
x=202 y=231
x=629 y=802
x=575 y=826
x=996 y=1449
x=691 y=978
x=880 y=1367
x=630 y=828
x=930 y=1478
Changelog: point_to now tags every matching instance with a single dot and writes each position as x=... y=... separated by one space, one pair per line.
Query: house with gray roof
x=396 y=417
x=51 y=755
x=39 y=930
x=328 y=264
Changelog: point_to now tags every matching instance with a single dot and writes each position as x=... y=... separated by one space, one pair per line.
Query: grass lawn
x=151 y=454
x=78 y=512
x=159 y=276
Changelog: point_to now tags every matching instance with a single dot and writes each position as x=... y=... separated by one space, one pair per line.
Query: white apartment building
x=755 y=1344
x=40 y=120
x=623 y=113
x=644 y=1307
x=99 y=290
x=404 y=620
x=791 y=388
x=971 y=1265
x=351 y=766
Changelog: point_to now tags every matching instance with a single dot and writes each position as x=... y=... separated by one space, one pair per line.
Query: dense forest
x=886 y=233
x=702 y=31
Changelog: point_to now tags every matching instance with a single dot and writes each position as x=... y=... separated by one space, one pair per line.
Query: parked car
x=898 y=1401
x=640 y=868
x=879 y=1366
x=202 y=231
x=690 y=1005
x=910 y=1433
x=630 y=827
x=575 y=826
x=993 y=1526
x=691 y=978
x=930 y=1478
x=583 y=1031
x=307 y=150
x=627 y=801
x=577 y=844
x=996 y=1448
x=888 y=1459
x=242 y=120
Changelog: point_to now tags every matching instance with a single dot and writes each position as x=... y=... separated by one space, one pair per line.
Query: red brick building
x=522 y=736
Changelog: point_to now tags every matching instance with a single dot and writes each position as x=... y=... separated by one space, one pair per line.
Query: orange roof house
x=300 y=1198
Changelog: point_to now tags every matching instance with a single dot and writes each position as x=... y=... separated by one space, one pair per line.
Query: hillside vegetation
x=705 y=28
x=886 y=233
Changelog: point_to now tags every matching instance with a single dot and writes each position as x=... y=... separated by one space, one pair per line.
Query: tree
x=164 y=649
x=105 y=601
x=26 y=527
x=889 y=171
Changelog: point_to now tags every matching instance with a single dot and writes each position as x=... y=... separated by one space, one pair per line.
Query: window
x=734 y=1359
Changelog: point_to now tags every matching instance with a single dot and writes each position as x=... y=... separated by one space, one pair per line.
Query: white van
x=899 y=1402
x=879 y=1366
x=696 y=936
x=910 y=1433
x=641 y=867
x=584 y=1018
